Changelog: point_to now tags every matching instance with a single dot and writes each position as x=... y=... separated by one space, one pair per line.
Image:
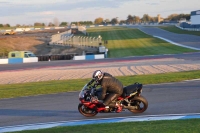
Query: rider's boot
x=107 y=107
x=119 y=108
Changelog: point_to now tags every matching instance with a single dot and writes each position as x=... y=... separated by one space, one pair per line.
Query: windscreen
x=31 y=55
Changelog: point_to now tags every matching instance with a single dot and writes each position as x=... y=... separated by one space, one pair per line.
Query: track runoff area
x=98 y=121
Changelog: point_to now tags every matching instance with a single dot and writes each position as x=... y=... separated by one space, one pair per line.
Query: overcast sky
x=45 y=11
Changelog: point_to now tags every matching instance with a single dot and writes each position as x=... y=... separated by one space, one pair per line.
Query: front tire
x=141 y=104
x=86 y=111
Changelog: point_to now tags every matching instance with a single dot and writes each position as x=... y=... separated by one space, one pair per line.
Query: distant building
x=74 y=29
x=194 y=20
x=159 y=18
x=195 y=17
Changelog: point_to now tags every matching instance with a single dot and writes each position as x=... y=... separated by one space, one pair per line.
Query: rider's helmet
x=97 y=75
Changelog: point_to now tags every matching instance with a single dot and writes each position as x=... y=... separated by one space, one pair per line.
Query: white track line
x=97 y=121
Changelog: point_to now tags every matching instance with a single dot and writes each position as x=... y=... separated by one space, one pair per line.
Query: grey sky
x=44 y=11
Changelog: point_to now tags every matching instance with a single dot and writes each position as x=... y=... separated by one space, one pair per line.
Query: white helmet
x=97 y=75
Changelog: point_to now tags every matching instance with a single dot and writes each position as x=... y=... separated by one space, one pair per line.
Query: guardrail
x=188 y=29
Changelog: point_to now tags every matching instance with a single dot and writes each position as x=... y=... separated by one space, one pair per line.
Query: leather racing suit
x=112 y=86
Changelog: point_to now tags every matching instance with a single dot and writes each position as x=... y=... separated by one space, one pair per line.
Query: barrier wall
x=28 y=60
x=15 y=60
x=3 y=61
x=89 y=57
x=18 y=60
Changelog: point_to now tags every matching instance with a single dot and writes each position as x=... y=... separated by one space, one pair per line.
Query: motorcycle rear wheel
x=86 y=111
x=140 y=102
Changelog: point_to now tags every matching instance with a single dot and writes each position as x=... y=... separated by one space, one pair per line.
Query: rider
x=109 y=84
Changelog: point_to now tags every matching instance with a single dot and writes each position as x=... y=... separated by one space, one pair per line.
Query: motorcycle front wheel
x=140 y=103
x=86 y=111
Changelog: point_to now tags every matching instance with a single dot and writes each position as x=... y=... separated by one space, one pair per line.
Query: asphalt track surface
x=184 y=39
x=169 y=98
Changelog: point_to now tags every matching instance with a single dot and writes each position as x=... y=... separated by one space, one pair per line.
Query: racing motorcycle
x=131 y=99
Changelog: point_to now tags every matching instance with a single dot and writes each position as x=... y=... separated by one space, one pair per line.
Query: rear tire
x=140 y=102
x=86 y=111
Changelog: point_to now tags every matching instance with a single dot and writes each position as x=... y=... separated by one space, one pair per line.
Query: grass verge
x=124 y=42
x=49 y=87
x=179 y=31
x=172 y=126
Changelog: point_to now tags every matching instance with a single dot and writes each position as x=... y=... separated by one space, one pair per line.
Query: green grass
x=5 y=28
x=14 y=27
x=179 y=31
x=49 y=87
x=172 y=126
x=124 y=42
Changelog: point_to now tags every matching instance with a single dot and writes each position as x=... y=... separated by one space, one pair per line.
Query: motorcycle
x=131 y=99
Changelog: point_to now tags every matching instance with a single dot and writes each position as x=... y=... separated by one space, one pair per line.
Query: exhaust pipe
x=130 y=107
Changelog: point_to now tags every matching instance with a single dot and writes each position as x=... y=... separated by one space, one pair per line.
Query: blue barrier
x=15 y=60
x=89 y=57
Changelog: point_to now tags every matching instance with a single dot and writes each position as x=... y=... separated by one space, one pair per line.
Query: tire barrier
x=55 y=57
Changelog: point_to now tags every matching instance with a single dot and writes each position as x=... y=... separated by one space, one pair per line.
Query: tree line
x=130 y=20
x=144 y=19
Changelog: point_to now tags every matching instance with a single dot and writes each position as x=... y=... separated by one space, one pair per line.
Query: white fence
x=188 y=29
